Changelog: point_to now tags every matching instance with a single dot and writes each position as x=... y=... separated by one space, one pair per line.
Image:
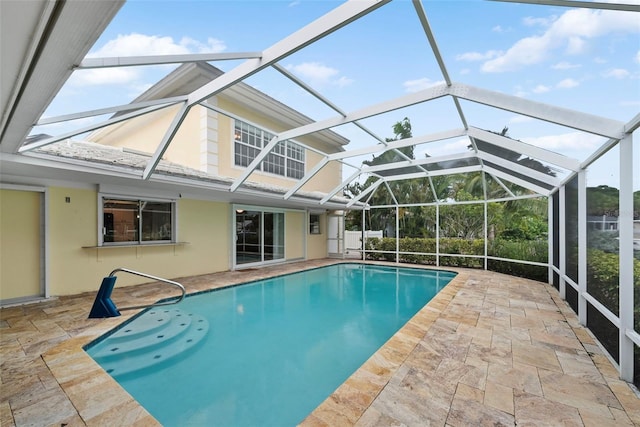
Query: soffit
x=50 y=38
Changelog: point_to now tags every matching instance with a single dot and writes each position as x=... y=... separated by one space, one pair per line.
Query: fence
x=352 y=239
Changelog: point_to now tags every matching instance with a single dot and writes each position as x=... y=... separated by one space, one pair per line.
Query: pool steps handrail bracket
x=103 y=306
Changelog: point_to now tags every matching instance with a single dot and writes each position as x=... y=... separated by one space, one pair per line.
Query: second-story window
x=286 y=159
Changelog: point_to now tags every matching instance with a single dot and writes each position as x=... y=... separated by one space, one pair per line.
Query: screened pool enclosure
x=463 y=182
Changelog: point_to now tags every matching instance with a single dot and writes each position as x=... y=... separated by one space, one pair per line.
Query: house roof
x=191 y=76
x=52 y=39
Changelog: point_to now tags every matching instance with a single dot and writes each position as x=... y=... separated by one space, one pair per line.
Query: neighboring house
x=602 y=222
x=64 y=226
x=610 y=223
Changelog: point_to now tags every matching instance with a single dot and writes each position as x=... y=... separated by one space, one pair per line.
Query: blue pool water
x=265 y=353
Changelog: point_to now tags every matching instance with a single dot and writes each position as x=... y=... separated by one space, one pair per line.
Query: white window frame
x=139 y=242
x=290 y=152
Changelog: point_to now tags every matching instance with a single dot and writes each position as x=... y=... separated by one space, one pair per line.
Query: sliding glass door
x=259 y=236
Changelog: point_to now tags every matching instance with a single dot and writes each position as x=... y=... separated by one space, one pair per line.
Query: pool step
x=153 y=338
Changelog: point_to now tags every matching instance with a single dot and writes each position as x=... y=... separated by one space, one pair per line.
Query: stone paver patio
x=489 y=349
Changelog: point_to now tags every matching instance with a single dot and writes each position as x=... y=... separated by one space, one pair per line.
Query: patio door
x=259 y=236
x=335 y=235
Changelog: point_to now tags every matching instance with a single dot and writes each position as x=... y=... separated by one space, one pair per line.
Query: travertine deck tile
x=519 y=377
x=539 y=357
x=499 y=397
x=581 y=394
x=535 y=411
x=467 y=412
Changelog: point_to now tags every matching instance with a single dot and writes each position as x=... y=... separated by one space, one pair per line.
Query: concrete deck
x=489 y=349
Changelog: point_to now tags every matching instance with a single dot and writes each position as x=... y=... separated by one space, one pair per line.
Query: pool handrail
x=149 y=276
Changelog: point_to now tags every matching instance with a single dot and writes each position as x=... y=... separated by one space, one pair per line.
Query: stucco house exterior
x=74 y=226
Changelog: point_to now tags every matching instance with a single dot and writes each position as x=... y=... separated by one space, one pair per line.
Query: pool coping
x=76 y=372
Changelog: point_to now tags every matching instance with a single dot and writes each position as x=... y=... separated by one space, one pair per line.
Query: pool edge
x=347 y=404
x=115 y=404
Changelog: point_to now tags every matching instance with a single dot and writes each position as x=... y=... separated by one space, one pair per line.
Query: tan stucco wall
x=294 y=223
x=19 y=244
x=203 y=225
x=146 y=132
x=324 y=181
x=317 y=243
x=71 y=226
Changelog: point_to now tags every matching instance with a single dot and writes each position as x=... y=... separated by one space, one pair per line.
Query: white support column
x=364 y=233
x=550 y=241
x=46 y=243
x=625 y=221
x=486 y=227
x=582 y=246
x=562 y=226
x=437 y=235
x=397 y=234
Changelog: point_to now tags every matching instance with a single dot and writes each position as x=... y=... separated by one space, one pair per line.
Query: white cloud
x=453 y=147
x=576 y=46
x=136 y=44
x=574 y=141
x=141 y=44
x=565 y=65
x=541 y=89
x=638 y=57
x=465 y=71
x=520 y=92
x=211 y=46
x=570 y=31
x=527 y=51
x=477 y=56
x=114 y=76
x=617 y=73
x=499 y=29
x=319 y=74
x=520 y=119
x=530 y=21
x=412 y=86
x=567 y=84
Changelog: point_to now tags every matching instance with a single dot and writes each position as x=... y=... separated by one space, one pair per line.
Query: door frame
x=44 y=242
x=339 y=238
x=262 y=210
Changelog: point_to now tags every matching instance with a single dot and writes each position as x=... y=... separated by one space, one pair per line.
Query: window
x=314 y=224
x=127 y=221
x=286 y=159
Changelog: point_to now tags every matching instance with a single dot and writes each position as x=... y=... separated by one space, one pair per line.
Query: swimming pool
x=267 y=352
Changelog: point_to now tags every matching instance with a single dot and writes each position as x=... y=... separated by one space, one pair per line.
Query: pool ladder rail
x=103 y=306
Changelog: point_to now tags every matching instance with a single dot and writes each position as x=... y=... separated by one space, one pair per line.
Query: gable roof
x=191 y=76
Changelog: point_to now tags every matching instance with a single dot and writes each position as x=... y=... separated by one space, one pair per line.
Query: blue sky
x=582 y=59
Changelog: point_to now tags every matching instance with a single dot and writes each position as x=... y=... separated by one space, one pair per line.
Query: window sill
x=137 y=245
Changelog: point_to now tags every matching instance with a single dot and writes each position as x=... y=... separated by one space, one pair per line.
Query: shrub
x=527 y=250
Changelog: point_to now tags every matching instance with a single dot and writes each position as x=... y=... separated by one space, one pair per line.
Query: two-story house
x=184 y=220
